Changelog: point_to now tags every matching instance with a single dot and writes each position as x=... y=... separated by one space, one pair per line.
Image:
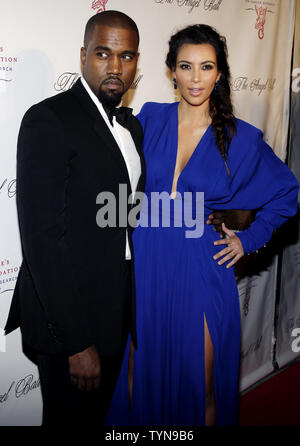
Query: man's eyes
x=104 y=55
x=127 y=57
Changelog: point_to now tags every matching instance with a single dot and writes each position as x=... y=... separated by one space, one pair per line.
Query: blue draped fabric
x=178 y=281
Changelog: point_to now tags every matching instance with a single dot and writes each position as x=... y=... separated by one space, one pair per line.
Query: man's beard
x=109 y=100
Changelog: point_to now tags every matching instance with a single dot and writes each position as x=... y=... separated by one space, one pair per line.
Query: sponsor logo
x=7 y=64
x=261 y=8
x=245 y=293
x=260 y=20
x=246 y=301
x=66 y=80
x=243 y=83
x=135 y=83
x=8 y=187
x=296 y=255
x=253 y=347
x=8 y=276
x=212 y=5
x=207 y=5
x=99 y=5
x=20 y=388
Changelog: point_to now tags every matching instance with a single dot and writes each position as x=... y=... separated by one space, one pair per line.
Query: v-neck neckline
x=173 y=164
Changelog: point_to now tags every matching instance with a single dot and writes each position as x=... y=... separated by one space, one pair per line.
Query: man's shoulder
x=57 y=103
x=61 y=105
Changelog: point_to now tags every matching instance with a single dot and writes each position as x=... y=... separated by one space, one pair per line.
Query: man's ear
x=83 y=55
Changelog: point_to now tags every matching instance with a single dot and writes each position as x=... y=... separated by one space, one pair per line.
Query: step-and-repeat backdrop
x=39 y=57
x=288 y=332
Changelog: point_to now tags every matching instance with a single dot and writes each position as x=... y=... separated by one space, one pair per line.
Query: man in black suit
x=74 y=299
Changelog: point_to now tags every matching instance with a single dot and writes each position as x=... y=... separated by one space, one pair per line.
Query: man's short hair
x=114 y=19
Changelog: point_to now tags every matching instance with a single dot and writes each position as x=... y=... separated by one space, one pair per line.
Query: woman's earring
x=175 y=83
x=217 y=85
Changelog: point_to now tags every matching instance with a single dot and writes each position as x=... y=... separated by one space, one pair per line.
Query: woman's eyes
x=204 y=67
x=185 y=66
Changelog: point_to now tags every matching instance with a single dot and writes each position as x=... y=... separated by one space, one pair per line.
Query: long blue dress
x=178 y=281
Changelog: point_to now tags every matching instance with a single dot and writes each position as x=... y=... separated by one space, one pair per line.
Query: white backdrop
x=39 y=56
x=289 y=308
x=257 y=302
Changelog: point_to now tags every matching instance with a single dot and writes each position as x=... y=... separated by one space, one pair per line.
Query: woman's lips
x=195 y=91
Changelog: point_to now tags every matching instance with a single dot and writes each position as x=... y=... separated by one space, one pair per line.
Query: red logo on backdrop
x=261 y=14
x=260 y=20
x=8 y=275
x=6 y=65
x=99 y=5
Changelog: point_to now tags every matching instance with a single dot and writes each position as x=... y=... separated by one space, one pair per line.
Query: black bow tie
x=122 y=115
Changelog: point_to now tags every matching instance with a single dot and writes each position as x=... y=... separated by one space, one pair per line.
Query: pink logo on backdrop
x=8 y=275
x=260 y=20
x=100 y=5
x=6 y=66
x=262 y=9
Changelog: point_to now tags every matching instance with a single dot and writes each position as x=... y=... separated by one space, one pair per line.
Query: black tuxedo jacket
x=69 y=293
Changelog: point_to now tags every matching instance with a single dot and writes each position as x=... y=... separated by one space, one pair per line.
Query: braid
x=221 y=113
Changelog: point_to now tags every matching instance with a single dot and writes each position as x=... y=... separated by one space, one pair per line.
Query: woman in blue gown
x=186 y=366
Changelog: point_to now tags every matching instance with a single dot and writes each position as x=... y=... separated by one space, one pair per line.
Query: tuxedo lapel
x=105 y=134
x=137 y=136
x=100 y=127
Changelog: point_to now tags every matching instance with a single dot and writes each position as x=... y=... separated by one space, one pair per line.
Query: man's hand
x=234 y=250
x=85 y=369
x=216 y=219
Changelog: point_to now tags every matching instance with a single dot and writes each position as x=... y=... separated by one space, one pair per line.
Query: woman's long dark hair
x=220 y=106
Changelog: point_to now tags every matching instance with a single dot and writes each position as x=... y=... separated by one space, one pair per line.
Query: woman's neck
x=193 y=115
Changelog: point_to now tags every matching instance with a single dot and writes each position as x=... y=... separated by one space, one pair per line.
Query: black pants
x=63 y=403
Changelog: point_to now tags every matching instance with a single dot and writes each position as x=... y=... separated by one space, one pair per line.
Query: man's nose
x=114 y=66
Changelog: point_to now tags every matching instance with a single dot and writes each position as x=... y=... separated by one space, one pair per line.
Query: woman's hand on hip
x=234 y=250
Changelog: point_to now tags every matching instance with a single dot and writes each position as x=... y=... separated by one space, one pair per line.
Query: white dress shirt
x=126 y=145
